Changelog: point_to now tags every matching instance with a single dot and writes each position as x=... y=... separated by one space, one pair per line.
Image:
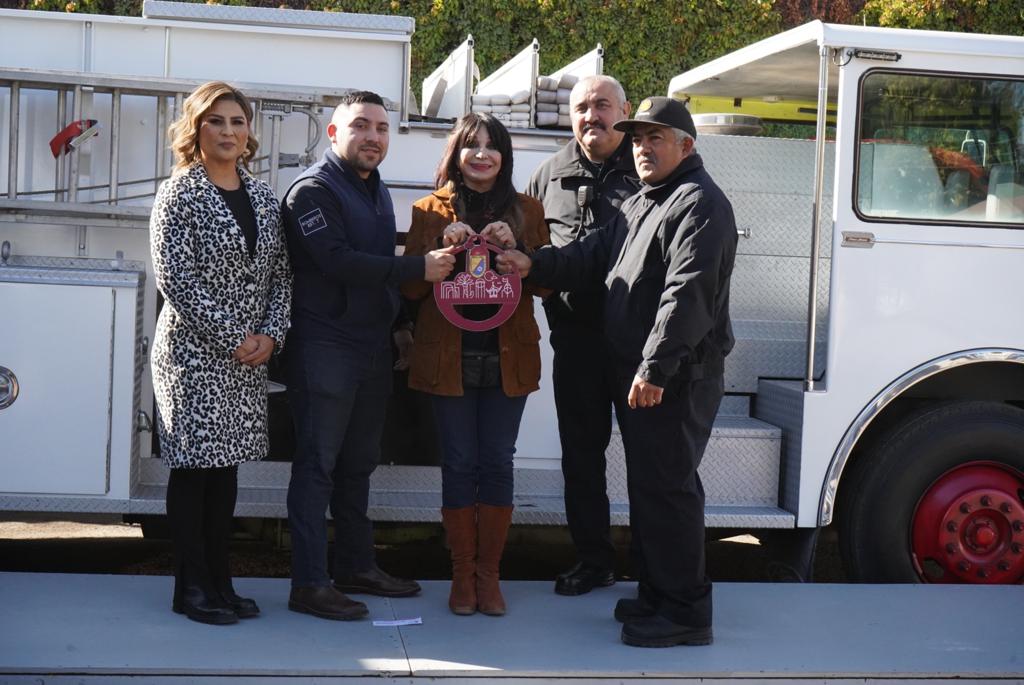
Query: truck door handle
x=8 y=387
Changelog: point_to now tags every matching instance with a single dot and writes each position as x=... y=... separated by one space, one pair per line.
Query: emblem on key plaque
x=478 y=284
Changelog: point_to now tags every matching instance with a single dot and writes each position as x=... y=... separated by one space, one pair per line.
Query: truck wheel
x=940 y=499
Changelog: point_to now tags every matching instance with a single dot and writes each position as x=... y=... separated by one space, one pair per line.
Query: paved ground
x=121 y=626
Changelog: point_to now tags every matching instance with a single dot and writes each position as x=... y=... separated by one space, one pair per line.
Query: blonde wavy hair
x=184 y=132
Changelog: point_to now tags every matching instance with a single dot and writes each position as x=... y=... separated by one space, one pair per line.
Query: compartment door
x=57 y=341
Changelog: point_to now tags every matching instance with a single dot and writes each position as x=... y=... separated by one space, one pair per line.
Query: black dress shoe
x=374 y=581
x=582 y=578
x=204 y=608
x=632 y=608
x=658 y=631
x=325 y=602
x=242 y=606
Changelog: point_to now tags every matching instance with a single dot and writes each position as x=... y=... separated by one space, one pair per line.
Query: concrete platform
x=88 y=628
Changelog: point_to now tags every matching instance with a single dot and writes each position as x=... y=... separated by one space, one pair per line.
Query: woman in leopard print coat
x=220 y=262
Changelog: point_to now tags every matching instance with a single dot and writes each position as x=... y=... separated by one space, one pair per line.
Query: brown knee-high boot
x=492 y=531
x=460 y=526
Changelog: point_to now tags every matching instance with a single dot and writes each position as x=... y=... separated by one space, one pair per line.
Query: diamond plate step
x=412 y=506
x=781 y=403
x=740 y=473
x=740 y=465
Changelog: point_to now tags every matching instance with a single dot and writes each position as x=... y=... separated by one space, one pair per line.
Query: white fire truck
x=878 y=378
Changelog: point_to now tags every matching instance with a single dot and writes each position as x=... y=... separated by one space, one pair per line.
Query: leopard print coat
x=212 y=410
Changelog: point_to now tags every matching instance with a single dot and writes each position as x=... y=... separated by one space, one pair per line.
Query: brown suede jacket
x=436 y=362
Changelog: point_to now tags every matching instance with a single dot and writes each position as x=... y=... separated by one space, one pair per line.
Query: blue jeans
x=478 y=434
x=338 y=398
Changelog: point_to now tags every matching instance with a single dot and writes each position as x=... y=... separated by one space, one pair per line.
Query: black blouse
x=240 y=206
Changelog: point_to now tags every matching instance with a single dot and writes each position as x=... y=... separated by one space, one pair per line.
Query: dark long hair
x=502 y=198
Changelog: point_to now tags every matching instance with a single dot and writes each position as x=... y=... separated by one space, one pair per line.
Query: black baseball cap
x=660 y=110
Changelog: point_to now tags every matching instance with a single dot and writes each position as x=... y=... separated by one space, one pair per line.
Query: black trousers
x=664 y=445
x=583 y=401
x=338 y=399
x=200 y=510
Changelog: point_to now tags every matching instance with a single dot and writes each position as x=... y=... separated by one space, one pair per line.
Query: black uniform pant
x=200 y=511
x=338 y=399
x=664 y=445
x=583 y=402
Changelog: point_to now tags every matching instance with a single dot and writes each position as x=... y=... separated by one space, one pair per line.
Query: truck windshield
x=940 y=148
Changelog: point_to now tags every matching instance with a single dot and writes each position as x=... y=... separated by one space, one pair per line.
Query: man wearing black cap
x=666 y=262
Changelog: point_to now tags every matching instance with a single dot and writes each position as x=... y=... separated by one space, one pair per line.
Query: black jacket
x=556 y=183
x=342 y=246
x=666 y=261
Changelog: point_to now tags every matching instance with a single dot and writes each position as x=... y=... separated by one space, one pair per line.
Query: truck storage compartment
x=70 y=351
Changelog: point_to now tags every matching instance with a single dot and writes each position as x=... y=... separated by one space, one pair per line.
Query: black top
x=666 y=261
x=556 y=183
x=238 y=202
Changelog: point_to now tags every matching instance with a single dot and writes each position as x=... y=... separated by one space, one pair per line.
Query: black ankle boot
x=242 y=606
x=199 y=606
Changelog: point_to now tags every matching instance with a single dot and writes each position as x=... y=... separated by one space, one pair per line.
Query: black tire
x=879 y=496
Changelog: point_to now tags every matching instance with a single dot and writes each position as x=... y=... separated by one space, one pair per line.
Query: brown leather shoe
x=375 y=581
x=326 y=602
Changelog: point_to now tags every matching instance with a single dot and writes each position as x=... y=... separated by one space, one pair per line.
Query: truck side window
x=940 y=148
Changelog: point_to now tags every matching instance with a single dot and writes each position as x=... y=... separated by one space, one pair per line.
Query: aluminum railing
x=271 y=103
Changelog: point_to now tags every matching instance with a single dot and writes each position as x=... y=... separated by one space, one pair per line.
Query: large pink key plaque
x=478 y=284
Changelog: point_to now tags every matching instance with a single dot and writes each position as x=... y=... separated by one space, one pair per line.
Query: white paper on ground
x=399 y=622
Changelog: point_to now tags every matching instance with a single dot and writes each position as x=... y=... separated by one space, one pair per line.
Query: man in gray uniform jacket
x=666 y=261
x=581 y=187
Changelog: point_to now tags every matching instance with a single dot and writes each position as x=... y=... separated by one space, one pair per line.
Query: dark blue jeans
x=338 y=398
x=478 y=434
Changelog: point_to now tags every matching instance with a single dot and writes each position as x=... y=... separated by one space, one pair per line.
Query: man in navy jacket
x=340 y=225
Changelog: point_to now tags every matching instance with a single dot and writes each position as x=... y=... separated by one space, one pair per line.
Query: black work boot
x=242 y=606
x=582 y=578
x=204 y=607
x=632 y=608
x=658 y=631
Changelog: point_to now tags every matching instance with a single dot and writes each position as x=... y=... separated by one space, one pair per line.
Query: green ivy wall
x=646 y=42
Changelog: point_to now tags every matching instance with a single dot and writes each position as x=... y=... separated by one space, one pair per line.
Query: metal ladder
x=62 y=204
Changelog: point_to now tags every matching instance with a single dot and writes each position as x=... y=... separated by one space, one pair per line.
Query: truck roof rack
x=271 y=16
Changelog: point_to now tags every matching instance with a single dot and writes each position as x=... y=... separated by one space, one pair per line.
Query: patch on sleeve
x=311 y=222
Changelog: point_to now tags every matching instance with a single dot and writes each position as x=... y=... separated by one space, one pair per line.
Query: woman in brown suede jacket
x=479 y=380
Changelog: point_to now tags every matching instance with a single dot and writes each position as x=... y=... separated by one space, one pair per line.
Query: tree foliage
x=646 y=42
x=971 y=16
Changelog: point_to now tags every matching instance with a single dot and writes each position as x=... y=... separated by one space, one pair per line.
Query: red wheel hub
x=968 y=526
